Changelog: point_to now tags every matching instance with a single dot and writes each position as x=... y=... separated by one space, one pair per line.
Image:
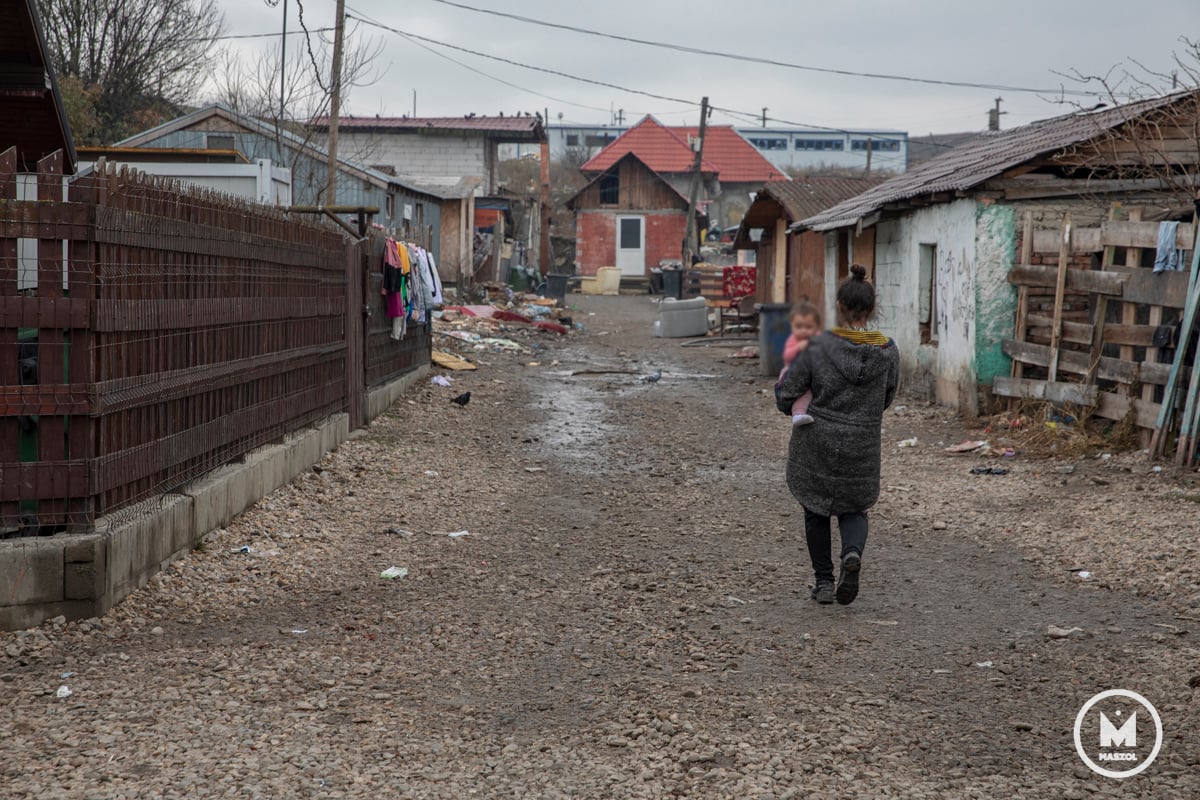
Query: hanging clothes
x=1168 y=257
x=435 y=280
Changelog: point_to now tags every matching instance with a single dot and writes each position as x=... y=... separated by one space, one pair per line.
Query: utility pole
x=335 y=101
x=282 y=70
x=764 y=118
x=694 y=192
x=620 y=117
x=870 y=149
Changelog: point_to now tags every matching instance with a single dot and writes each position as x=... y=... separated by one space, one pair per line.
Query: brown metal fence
x=150 y=334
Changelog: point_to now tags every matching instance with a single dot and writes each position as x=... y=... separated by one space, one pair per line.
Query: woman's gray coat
x=833 y=463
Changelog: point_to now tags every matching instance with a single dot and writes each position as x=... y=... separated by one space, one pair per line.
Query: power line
x=412 y=40
x=767 y=61
x=559 y=73
x=261 y=35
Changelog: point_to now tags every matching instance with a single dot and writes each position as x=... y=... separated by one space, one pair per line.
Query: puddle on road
x=574 y=421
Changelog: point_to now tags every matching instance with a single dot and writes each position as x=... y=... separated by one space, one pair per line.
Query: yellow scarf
x=861 y=337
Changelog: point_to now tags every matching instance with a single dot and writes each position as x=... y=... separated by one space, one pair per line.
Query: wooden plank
x=1110 y=369
x=1135 y=335
x=1085 y=281
x=1143 y=235
x=1076 y=332
x=1083 y=240
x=1115 y=407
x=1128 y=309
x=1147 y=288
x=1056 y=392
x=1022 y=322
x=1060 y=288
x=1156 y=315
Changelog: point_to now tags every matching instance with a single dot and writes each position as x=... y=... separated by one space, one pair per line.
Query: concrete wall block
x=274 y=467
x=210 y=505
x=84 y=567
x=245 y=487
x=31 y=571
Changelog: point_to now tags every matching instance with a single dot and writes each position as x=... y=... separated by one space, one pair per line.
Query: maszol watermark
x=1112 y=733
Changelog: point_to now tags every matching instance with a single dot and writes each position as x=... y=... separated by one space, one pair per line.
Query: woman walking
x=833 y=464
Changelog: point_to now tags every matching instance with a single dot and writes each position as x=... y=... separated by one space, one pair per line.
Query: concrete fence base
x=82 y=576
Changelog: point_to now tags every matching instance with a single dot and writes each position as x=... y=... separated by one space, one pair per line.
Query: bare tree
x=252 y=88
x=145 y=55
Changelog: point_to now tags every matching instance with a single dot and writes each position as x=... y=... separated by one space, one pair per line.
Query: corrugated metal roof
x=807 y=197
x=666 y=151
x=524 y=127
x=985 y=157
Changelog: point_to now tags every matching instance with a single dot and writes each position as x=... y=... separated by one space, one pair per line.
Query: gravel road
x=628 y=614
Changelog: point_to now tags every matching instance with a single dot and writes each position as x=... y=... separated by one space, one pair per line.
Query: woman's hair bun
x=859 y=272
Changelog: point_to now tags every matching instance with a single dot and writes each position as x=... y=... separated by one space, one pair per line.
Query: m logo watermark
x=1116 y=743
x=1112 y=737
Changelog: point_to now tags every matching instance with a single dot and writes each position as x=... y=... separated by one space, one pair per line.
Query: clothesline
x=411 y=285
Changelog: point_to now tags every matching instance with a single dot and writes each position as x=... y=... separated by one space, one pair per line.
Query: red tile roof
x=520 y=126
x=666 y=151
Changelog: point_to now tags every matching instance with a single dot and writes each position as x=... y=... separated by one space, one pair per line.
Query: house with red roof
x=632 y=213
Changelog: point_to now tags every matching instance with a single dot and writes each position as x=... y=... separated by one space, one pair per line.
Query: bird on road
x=653 y=377
x=462 y=400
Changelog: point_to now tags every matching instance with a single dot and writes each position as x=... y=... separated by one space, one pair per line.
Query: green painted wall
x=995 y=297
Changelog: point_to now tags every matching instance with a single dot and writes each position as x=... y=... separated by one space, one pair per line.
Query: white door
x=631 y=246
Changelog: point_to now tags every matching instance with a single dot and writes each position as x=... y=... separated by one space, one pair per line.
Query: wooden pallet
x=1093 y=347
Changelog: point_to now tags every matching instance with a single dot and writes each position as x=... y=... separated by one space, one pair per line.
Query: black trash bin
x=774 y=327
x=673 y=283
x=656 y=281
x=556 y=286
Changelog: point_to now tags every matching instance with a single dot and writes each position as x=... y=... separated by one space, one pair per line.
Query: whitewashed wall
x=419 y=156
x=945 y=371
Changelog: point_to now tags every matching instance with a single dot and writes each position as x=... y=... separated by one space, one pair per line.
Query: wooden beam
x=1116 y=407
x=1083 y=240
x=1144 y=287
x=1056 y=392
x=1060 y=290
x=1110 y=369
x=1076 y=332
x=1018 y=369
x=1084 y=281
x=1142 y=234
x=1038 y=187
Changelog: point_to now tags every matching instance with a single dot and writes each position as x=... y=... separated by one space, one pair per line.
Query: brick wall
x=595 y=241
x=596 y=238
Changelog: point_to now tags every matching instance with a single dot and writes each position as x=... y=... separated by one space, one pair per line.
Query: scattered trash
x=1069 y=469
x=1156 y=469
x=535 y=469
x=452 y=534
x=984 y=664
x=502 y=344
x=890 y=623
x=1057 y=632
x=398 y=532
x=243 y=549
x=440 y=380
x=1106 y=456
x=432 y=473
x=989 y=471
x=394 y=572
x=907 y=442
x=749 y=351
x=63 y=692
x=900 y=409
x=1082 y=574
x=735 y=601
x=968 y=446
x=941 y=672
x=67 y=675
x=299 y=631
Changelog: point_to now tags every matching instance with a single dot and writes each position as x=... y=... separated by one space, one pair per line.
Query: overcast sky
x=1015 y=43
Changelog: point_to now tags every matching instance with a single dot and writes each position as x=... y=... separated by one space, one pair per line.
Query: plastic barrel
x=556 y=286
x=673 y=283
x=774 y=326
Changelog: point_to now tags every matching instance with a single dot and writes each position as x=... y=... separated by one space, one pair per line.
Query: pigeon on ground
x=462 y=399
x=653 y=377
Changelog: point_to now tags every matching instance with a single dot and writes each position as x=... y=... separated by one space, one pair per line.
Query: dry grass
x=1042 y=429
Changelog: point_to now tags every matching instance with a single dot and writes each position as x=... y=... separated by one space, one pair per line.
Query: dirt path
x=629 y=614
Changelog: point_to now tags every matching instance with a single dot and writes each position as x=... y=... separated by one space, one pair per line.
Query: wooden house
x=730 y=171
x=942 y=240
x=629 y=217
x=791 y=269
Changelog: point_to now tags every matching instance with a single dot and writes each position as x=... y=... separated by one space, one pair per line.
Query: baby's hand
x=801 y=345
